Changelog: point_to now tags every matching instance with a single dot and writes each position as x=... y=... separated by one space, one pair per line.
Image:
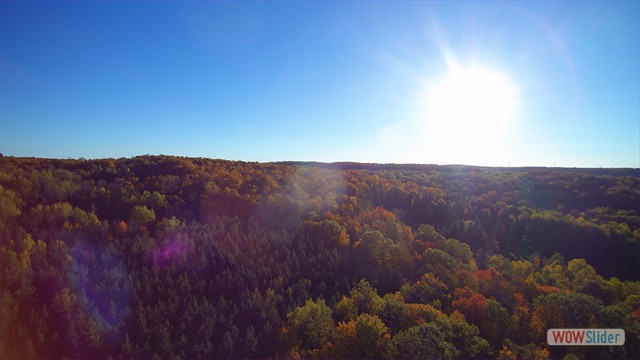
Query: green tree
x=310 y=325
x=362 y=299
x=464 y=336
x=141 y=216
x=584 y=278
x=430 y=290
x=424 y=342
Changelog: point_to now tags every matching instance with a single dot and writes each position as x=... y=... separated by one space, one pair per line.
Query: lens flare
x=94 y=265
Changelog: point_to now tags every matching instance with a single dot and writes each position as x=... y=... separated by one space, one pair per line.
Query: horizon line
x=317 y=162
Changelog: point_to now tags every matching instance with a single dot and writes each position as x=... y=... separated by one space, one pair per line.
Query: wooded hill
x=190 y=258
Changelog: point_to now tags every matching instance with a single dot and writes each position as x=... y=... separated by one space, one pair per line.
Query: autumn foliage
x=184 y=258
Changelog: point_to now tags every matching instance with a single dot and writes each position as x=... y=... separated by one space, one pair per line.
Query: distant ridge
x=352 y=165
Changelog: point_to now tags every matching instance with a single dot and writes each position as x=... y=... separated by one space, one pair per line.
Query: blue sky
x=322 y=81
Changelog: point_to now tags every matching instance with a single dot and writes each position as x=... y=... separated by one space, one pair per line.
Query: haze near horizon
x=482 y=83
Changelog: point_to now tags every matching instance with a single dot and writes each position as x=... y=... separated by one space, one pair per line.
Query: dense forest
x=159 y=257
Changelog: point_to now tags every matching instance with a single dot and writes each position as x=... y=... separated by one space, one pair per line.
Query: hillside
x=192 y=258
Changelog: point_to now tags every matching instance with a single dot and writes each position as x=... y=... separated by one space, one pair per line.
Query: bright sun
x=468 y=113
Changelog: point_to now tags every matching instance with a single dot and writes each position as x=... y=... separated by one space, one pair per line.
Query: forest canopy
x=158 y=257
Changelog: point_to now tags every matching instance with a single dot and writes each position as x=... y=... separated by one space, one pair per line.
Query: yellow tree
x=366 y=337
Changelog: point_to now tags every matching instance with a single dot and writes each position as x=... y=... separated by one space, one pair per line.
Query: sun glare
x=468 y=113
